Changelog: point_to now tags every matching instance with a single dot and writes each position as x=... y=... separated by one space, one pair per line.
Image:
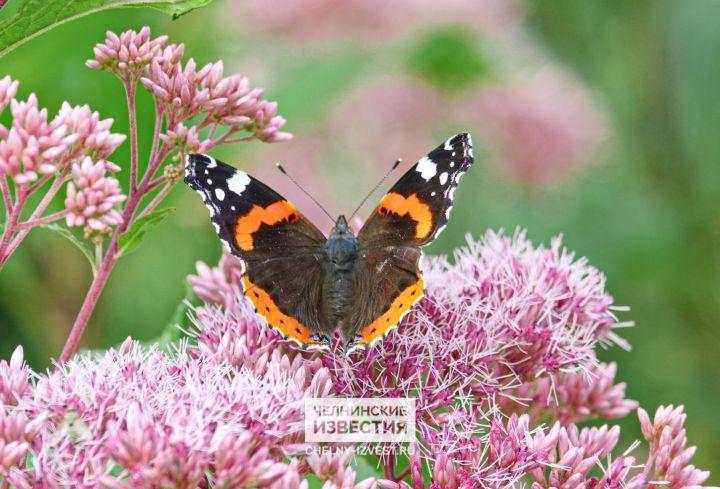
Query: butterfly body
x=308 y=286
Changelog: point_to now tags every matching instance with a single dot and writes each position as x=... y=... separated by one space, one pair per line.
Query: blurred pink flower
x=128 y=54
x=375 y=20
x=33 y=146
x=540 y=128
x=92 y=197
x=394 y=114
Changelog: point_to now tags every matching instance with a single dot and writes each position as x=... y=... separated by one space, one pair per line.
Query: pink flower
x=94 y=138
x=185 y=92
x=184 y=139
x=541 y=128
x=669 y=457
x=33 y=146
x=266 y=124
x=573 y=396
x=167 y=420
x=14 y=384
x=8 y=89
x=127 y=54
x=17 y=432
x=505 y=311
x=92 y=197
x=177 y=88
x=220 y=285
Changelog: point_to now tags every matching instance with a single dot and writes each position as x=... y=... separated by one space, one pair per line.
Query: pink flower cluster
x=92 y=197
x=32 y=146
x=128 y=54
x=183 y=92
x=508 y=330
x=508 y=325
x=35 y=146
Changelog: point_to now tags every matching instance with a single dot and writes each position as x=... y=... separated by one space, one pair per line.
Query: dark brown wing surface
x=282 y=251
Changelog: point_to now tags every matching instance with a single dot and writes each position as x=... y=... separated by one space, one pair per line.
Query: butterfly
x=306 y=285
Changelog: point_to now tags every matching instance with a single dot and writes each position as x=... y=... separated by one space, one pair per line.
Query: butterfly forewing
x=409 y=216
x=417 y=207
x=281 y=250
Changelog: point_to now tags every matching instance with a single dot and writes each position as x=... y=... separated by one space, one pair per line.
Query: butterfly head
x=341 y=227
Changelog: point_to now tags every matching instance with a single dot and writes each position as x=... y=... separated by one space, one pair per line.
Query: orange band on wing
x=288 y=326
x=390 y=318
x=246 y=225
x=401 y=205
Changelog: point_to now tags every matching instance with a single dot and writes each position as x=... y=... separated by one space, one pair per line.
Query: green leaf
x=131 y=239
x=180 y=321
x=83 y=245
x=37 y=16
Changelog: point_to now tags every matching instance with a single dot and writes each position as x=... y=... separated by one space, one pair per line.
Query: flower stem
x=224 y=139
x=5 y=190
x=99 y=281
x=156 y=132
x=111 y=256
x=402 y=475
x=157 y=199
x=47 y=198
x=130 y=90
x=11 y=225
x=42 y=220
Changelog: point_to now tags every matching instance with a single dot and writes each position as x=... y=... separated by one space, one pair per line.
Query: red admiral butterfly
x=306 y=285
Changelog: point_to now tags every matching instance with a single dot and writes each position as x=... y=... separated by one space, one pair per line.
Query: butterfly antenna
x=395 y=165
x=284 y=172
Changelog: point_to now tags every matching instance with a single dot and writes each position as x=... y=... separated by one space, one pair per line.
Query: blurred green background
x=599 y=120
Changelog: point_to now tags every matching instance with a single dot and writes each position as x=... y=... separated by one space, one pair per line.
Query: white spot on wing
x=427 y=168
x=213 y=162
x=209 y=180
x=448 y=146
x=220 y=194
x=238 y=182
x=443 y=178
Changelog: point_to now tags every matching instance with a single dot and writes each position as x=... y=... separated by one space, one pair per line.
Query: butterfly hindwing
x=280 y=249
x=392 y=283
x=409 y=216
